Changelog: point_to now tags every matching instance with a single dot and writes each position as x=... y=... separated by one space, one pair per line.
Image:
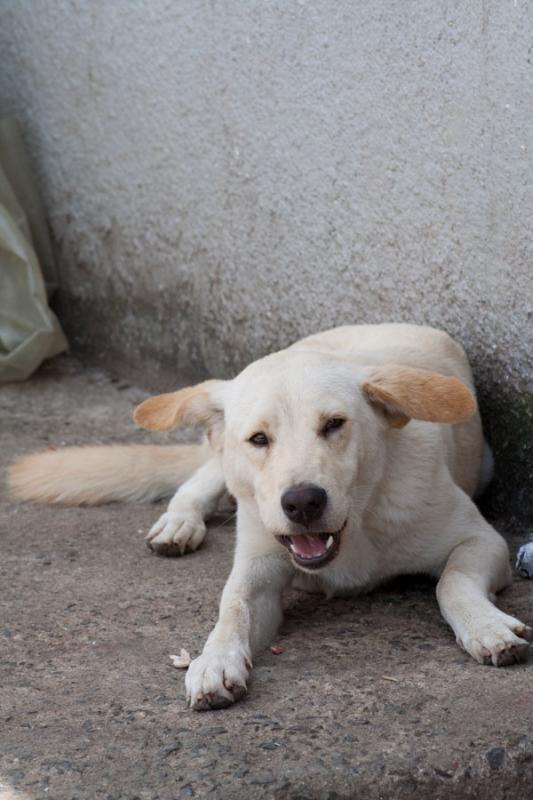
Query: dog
x=353 y=456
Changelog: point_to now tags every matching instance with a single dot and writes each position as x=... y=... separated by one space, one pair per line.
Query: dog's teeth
x=329 y=542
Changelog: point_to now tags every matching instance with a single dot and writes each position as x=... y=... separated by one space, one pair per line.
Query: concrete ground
x=370 y=698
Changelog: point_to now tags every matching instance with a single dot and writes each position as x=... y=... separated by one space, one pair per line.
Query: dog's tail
x=89 y=476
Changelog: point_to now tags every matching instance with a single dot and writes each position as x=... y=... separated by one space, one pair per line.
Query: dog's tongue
x=308 y=546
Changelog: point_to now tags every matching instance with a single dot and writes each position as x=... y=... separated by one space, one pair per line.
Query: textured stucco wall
x=224 y=177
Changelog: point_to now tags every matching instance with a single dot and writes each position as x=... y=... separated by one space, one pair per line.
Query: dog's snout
x=304 y=503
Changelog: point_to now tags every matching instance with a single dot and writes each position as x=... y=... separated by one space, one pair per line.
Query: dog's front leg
x=476 y=569
x=181 y=529
x=250 y=613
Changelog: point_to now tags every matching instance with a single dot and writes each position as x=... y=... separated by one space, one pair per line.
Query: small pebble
x=495 y=757
x=241 y=772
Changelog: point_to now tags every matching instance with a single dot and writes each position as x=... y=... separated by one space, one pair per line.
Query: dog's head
x=304 y=434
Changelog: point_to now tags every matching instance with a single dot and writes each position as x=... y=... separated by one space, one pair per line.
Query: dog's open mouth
x=313 y=550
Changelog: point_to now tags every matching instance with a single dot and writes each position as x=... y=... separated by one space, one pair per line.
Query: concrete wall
x=224 y=177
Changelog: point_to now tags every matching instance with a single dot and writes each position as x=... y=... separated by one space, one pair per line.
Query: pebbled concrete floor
x=370 y=697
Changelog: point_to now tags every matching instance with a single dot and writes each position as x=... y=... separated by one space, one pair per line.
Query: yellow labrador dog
x=353 y=456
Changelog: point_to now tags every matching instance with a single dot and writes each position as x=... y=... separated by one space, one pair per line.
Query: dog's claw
x=217 y=679
x=213 y=701
x=176 y=533
x=501 y=641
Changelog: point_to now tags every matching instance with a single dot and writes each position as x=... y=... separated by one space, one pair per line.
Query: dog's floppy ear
x=194 y=405
x=404 y=393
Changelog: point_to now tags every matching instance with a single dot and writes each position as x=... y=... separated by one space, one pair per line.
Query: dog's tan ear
x=194 y=405
x=403 y=393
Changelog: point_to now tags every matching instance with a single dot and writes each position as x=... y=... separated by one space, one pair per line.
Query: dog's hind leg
x=181 y=529
x=476 y=569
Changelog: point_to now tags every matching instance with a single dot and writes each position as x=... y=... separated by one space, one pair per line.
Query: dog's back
x=395 y=343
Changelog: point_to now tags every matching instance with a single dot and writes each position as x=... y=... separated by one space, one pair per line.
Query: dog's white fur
x=402 y=491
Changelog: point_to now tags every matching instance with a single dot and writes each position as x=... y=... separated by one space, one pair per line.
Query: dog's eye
x=333 y=424
x=259 y=439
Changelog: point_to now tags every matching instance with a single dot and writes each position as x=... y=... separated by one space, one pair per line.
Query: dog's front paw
x=217 y=678
x=176 y=533
x=500 y=640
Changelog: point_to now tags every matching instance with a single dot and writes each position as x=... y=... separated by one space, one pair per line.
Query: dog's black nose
x=304 y=503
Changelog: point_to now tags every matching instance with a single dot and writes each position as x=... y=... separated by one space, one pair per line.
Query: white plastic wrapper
x=524 y=560
x=29 y=330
